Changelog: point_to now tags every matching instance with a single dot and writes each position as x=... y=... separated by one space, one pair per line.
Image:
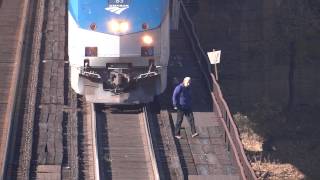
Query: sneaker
x=178 y=137
x=195 y=134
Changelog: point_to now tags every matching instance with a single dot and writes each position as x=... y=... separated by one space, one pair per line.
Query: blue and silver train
x=118 y=49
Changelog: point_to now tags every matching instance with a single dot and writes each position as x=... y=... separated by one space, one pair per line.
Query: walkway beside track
x=13 y=15
x=205 y=156
x=219 y=112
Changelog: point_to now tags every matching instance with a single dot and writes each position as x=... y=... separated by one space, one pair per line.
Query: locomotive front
x=118 y=49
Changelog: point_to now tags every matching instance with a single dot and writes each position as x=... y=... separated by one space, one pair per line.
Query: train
x=118 y=50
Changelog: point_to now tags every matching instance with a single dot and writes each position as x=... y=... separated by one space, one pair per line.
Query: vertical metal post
x=225 y=136
x=228 y=121
x=228 y=125
x=216 y=71
x=226 y=117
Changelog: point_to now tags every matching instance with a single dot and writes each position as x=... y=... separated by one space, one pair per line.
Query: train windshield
x=135 y=12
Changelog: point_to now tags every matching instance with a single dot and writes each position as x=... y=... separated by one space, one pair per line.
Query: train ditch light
x=147 y=40
x=147 y=49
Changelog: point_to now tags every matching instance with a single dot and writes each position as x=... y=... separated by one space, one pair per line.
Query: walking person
x=182 y=103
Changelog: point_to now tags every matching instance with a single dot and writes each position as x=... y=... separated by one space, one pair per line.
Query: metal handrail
x=232 y=138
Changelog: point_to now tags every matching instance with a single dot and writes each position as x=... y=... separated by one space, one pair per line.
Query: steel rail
x=150 y=144
x=232 y=138
x=94 y=142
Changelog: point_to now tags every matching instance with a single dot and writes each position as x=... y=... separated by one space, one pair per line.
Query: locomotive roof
x=135 y=12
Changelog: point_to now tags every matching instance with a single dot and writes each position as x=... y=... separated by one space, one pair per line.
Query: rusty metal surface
x=220 y=105
x=123 y=148
x=13 y=15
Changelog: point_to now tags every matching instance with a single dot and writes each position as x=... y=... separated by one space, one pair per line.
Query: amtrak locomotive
x=118 y=49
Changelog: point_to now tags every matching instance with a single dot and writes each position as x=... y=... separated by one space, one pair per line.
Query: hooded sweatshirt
x=182 y=97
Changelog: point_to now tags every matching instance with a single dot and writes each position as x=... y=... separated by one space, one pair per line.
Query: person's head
x=186 y=81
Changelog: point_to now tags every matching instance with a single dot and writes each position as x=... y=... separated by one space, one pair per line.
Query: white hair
x=187 y=79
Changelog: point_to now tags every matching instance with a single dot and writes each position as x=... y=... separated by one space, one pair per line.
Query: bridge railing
x=231 y=133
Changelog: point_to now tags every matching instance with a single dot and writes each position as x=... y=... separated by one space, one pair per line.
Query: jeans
x=189 y=115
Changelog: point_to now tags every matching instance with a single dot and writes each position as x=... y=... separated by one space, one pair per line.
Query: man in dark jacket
x=182 y=103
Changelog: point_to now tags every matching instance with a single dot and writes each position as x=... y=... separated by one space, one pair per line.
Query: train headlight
x=114 y=26
x=147 y=39
x=124 y=26
x=118 y=26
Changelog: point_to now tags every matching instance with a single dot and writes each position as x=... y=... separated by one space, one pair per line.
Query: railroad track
x=19 y=149
x=44 y=140
x=124 y=144
x=13 y=45
x=127 y=142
